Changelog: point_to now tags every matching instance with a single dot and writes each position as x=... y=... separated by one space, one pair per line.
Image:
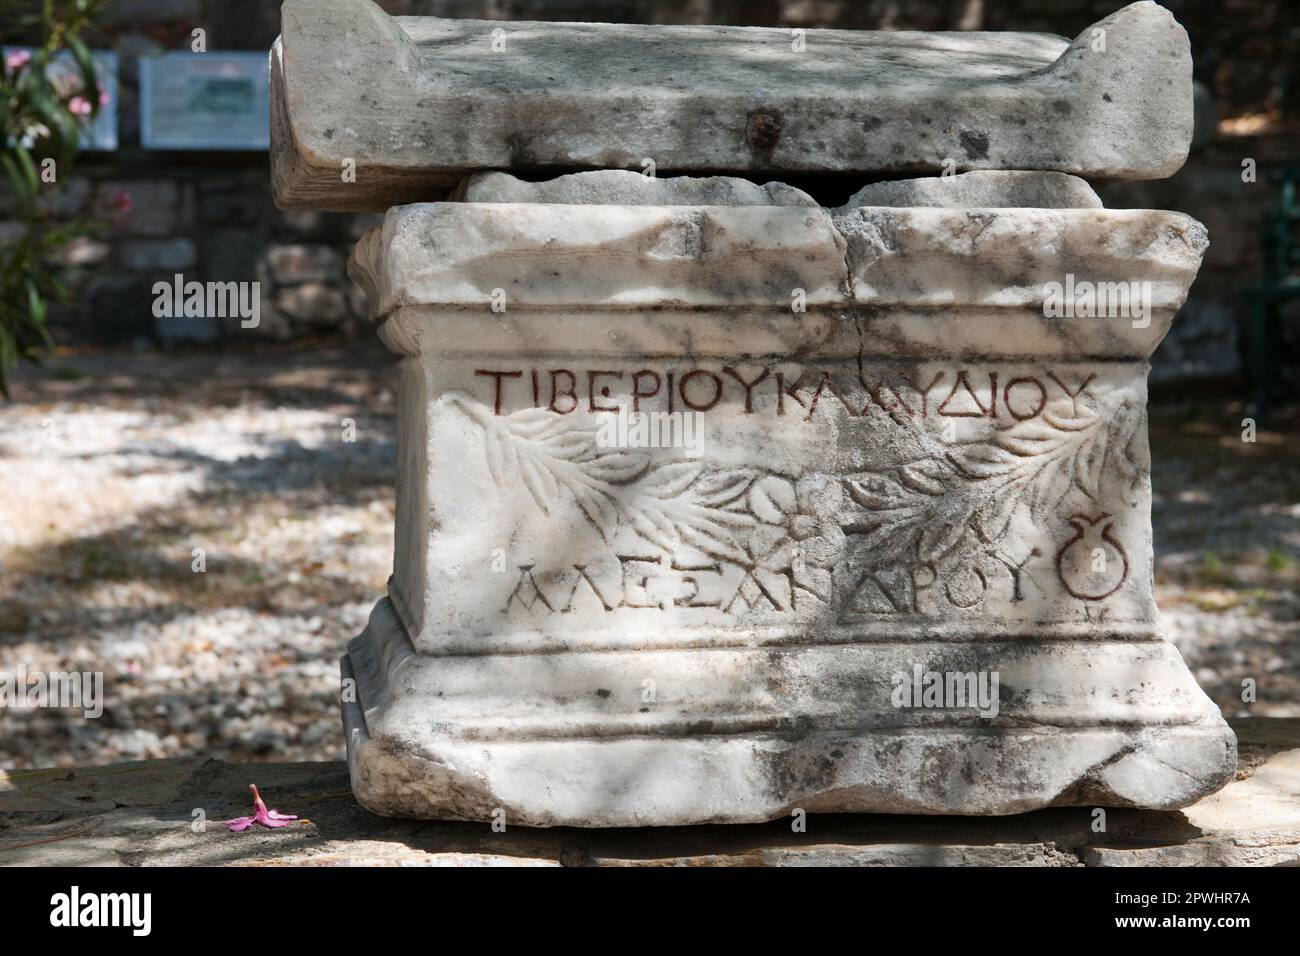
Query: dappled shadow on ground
x=208 y=531
x=297 y=376
x=1226 y=516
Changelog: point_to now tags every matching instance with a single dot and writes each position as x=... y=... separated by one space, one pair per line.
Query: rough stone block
x=980 y=189
x=620 y=187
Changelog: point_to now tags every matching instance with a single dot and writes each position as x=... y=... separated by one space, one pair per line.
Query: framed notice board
x=211 y=100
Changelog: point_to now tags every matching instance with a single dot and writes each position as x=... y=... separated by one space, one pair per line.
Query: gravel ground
x=112 y=479
x=1227 y=530
x=115 y=467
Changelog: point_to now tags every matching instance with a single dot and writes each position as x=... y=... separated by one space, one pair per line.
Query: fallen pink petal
x=271 y=819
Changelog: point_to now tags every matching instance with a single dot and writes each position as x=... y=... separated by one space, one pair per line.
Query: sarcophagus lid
x=370 y=110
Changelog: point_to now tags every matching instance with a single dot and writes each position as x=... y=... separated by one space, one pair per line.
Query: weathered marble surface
x=621 y=187
x=980 y=189
x=957 y=281
x=417 y=102
x=916 y=468
x=141 y=814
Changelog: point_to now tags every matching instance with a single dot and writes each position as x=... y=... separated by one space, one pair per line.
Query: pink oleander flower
x=271 y=819
x=17 y=59
x=79 y=106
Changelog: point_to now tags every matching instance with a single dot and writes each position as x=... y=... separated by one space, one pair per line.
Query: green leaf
x=59 y=288
x=28 y=167
x=36 y=313
x=21 y=177
x=35 y=303
x=32 y=268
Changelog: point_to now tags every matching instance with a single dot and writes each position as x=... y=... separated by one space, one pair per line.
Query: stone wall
x=210 y=215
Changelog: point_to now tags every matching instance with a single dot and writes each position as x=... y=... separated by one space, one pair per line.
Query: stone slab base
x=745 y=735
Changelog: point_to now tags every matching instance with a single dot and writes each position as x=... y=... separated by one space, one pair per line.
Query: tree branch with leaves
x=42 y=116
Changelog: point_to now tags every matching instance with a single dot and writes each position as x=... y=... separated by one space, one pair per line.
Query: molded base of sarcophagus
x=749 y=734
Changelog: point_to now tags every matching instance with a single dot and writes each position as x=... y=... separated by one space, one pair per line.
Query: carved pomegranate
x=1092 y=565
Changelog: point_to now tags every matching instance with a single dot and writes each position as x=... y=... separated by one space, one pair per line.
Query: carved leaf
x=669 y=481
x=713 y=538
x=1090 y=462
x=1071 y=423
x=1047 y=489
x=1131 y=453
x=723 y=489
x=574 y=446
x=772 y=499
x=540 y=483
x=493 y=445
x=887 y=541
x=940 y=535
x=878 y=493
x=993 y=516
x=927 y=476
x=614 y=466
x=599 y=509
x=529 y=422
x=653 y=525
x=769 y=545
x=982 y=460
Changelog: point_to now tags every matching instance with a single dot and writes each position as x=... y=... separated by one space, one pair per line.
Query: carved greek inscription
x=959 y=393
x=925 y=532
x=647 y=581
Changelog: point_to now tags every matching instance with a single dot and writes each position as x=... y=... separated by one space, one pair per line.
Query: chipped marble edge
x=433 y=773
x=441 y=259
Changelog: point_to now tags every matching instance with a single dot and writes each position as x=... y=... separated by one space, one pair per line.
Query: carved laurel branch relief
x=1083 y=453
x=735 y=514
x=949 y=504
